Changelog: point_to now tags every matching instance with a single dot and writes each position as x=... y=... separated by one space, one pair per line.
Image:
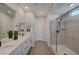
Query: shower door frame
x=52 y=38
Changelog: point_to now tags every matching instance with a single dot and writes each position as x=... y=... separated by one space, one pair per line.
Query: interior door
x=39 y=32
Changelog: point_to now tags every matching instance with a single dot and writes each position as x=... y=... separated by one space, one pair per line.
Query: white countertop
x=9 y=45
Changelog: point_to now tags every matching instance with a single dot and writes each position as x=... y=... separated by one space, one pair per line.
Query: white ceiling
x=39 y=9
x=61 y=8
x=44 y=8
x=56 y=9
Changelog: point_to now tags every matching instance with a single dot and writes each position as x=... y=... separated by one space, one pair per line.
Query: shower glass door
x=57 y=36
x=53 y=35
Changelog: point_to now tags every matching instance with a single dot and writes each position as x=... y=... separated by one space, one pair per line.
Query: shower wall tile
x=71 y=38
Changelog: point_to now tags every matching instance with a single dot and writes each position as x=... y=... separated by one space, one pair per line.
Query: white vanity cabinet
x=23 y=49
x=21 y=46
x=26 y=46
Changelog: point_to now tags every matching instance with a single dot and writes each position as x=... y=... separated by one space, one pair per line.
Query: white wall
x=19 y=17
x=29 y=18
x=5 y=24
x=47 y=30
x=24 y=17
x=40 y=28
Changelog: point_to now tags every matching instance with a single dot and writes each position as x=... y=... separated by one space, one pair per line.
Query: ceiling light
x=41 y=12
x=9 y=11
x=71 y=4
x=26 y=7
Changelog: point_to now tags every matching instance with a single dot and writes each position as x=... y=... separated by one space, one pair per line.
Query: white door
x=39 y=32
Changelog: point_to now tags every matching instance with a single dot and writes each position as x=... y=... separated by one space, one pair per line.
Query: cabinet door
x=26 y=46
x=29 y=45
x=20 y=50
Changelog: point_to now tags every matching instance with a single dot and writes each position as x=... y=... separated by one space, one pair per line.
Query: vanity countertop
x=9 y=45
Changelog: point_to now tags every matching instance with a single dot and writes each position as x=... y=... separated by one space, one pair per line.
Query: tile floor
x=41 y=48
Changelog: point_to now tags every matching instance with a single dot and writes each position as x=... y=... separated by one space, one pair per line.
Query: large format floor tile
x=41 y=48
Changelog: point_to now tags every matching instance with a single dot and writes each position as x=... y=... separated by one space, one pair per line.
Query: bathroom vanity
x=21 y=46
